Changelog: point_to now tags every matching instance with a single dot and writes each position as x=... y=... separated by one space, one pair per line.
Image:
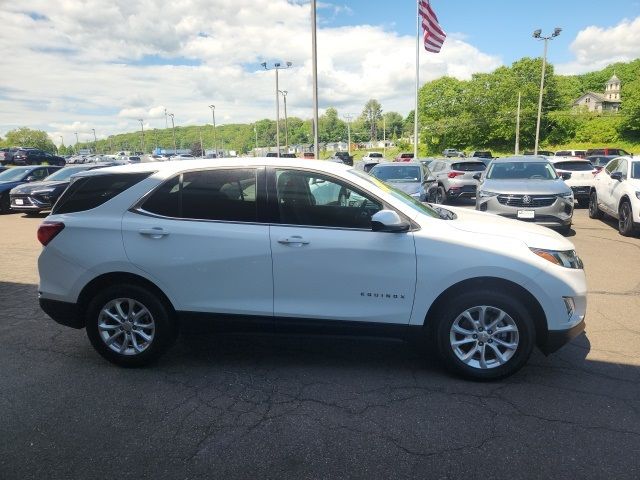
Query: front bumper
x=64 y=313
x=30 y=203
x=555 y=339
x=558 y=214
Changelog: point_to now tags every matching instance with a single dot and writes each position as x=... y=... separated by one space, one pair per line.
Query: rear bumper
x=64 y=313
x=555 y=339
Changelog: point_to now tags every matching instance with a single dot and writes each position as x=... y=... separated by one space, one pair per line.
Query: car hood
x=30 y=187
x=530 y=187
x=532 y=235
x=406 y=187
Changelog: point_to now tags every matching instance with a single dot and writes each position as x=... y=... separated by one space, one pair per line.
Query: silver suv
x=526 y=188
x=454 y=179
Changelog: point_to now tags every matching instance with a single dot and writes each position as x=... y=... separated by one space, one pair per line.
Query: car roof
x=171 y=167
x=521 y=159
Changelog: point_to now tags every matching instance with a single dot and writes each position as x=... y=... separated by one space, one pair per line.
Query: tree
x=394 y=123
x=332 y=129
x=27 y=137
x=371 y=115
x=630 y=107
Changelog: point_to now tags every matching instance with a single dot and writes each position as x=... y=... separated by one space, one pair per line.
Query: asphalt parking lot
x=257 y=406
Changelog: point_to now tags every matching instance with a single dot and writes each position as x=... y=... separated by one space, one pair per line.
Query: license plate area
x=527 y=214
x=19 y=201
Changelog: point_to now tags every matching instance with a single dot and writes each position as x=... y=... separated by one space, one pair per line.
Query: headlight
x=567 y=195
x=485 y=194
x=43 y=191
x=567 y=258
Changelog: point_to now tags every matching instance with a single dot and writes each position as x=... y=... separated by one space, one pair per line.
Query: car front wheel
x=484 y=335
x=625 y=219
x=441 y=196
x=129 y=326
x=594 y=211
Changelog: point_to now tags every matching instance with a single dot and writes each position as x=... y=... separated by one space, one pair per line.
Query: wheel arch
x=490 y=283
x=624 y=198
x=115 y=278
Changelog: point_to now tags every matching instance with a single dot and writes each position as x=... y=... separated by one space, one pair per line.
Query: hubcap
x=126 y=326
x=624 y=216
x=484 y=337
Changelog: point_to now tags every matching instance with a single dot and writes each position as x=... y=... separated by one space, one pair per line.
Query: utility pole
x=348 y=117
x=538 y=35
x=173 y=128
x=314 y=72
x=255 y=131
x=517 y=149
x=166 y=121
x=384 y=136
x=213 y=115
x=110 y=144
x=201 y=144
x=95 y=141
x=76 y=142
x=286 y=126
x=142 y=131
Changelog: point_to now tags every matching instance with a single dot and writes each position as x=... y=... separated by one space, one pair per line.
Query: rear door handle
x=293 y=240
x=156 y=232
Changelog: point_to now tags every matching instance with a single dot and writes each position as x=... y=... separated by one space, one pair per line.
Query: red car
x=404 y=157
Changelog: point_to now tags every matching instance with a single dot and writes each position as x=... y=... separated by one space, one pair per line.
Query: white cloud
x=104 y=63
x=596 y=47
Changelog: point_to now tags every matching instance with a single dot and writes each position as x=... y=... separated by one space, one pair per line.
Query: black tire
x=165 y=325
x=5 y=204
x=594 y=211
x=441 y=196
x=565 y=230
x=583 y=202
x=503 y=301
x=625 y=219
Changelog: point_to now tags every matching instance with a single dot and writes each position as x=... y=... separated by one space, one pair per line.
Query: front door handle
x=295 y=240
x=156 y=232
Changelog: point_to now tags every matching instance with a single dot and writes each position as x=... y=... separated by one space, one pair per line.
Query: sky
x=73 y=65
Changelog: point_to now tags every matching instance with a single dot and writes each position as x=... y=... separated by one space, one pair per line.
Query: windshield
x=635 y=170
x=375 y=155
x=64 y=173
x=521 y=171
x=14 y=174
x=396 y=173
x=399 y=195
x=574 y=166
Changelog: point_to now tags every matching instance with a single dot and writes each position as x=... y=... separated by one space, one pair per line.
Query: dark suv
x=34 y=156
x=344 y=157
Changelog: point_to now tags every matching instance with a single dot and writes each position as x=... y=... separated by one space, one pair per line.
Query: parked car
x=2 y=169
x=38 y=196
x=454 y=179
x=617 y=193
x=6 y=155
x=309 y=155
x=343 y=157
x=34 y=156
x=481 y=154
x=426 y=161
x=376 y=157
x=527 y=189
x=15 y=176
x=544 y=153
x=404 y=157
x=412 y=178
x=388 y=265
x=600 y=161
x=180 y=156
x=618 y=152
x=571 y=153
x=452 y=152
x=581 y=180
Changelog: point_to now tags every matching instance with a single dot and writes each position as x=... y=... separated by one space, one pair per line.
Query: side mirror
x=429 y=179
x=388 y=221
x=566 y=176
x=477 y=176
x=617 y=176
x=30 y=178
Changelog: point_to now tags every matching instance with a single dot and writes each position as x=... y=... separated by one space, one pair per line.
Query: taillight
x=454 y=174
x=48 y=231
x=596 y=170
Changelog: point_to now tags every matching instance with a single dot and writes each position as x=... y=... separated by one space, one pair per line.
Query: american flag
x=433 y=34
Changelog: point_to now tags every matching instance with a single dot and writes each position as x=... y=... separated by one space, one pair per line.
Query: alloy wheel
x=625 y=218
x=126 y=326
x=484 y=337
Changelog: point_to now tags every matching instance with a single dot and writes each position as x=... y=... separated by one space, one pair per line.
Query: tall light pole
x=142 y=133
x=286 y=127
x=314 y=74
x=213 y=115
x=95 y=141
x=517 y=148
x=277 y=66
x=173 y=129
x=166 y=121
x=538 y=35
x=110 y=144
x=76 y=142
x=384 y=136
x=348 y=117
x=255 y=131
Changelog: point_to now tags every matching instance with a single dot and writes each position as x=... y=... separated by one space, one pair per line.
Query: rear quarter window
x=90 y=192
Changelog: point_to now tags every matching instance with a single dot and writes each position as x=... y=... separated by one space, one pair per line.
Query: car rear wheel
x=484 y=335
x=625 y=219
x=129 y=326
x=441 y=196
x=594 y=211
x=5 y=205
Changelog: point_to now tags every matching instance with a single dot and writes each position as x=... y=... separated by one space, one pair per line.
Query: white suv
x=581 y=178
x=617 y=193
x=130 y=252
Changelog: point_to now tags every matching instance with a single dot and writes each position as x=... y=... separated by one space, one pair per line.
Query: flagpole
x=415 y=112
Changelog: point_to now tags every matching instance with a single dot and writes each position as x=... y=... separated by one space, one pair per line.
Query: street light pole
x=213 y=115
x=173 y=129
x=348 y=117
x=95 y=141
x=277 y=66
x=538 y=35
x=517 y=149
x=76 y=142
x=286 y=127
x=314 y=74
x=384 y=136
x=255 y=131
x=142 y=137
x=110 y=144
x=166 y=121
